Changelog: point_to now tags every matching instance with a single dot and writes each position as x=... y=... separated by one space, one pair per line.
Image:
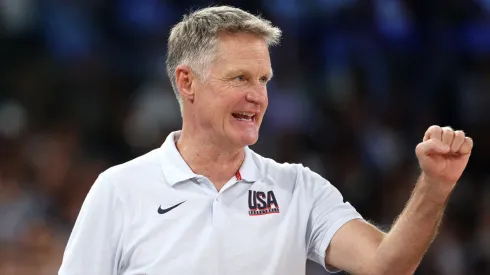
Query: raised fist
x=443 y=154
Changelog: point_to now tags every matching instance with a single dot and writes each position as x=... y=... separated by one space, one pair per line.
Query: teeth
x=246 y=114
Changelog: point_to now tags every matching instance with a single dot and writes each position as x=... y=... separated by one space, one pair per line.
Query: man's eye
x=264 y=79
x=240 y=78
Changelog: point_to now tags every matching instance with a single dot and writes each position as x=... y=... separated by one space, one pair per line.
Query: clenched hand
x=443 y=155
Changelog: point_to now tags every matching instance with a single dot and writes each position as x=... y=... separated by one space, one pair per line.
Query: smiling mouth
x=244 y=116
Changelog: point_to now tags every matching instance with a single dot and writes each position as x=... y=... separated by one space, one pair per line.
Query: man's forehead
x=240 y=52
x=245 y=66
x=238 y=59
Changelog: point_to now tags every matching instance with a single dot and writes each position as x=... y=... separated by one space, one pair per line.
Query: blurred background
x=357 y=82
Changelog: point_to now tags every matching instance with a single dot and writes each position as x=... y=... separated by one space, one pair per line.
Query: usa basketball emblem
x=261 y=203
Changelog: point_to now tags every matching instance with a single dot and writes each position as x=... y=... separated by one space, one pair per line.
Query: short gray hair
x=193 y=41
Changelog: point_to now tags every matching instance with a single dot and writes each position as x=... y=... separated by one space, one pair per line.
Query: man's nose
x=257 y=96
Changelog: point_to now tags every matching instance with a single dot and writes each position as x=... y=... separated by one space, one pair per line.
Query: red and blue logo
x=261 y=203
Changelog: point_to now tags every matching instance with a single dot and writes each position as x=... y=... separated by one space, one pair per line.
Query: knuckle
x=459 y=133
x=447 y=129
x=434 y=128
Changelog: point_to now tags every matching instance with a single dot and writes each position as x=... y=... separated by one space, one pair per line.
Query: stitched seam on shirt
x=320 y=194
x=317 y=198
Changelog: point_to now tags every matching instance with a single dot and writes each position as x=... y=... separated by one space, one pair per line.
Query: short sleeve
x=94 y=246
x=328 y=214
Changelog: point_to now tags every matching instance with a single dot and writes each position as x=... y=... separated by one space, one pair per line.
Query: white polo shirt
x=154 y=216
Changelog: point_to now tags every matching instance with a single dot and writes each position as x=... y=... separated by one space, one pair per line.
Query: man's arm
x=360 y=248
x=398 y=252
x=94 y=246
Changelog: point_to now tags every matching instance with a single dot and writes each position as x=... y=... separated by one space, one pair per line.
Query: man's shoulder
x=285 y=170
x=140 y=168
x=269 y=165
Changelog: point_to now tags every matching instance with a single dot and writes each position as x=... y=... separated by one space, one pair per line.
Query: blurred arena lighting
x=153 y=111
x=17 y=15
x=13 y=119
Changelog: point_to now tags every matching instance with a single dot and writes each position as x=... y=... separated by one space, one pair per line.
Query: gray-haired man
x=204 y=203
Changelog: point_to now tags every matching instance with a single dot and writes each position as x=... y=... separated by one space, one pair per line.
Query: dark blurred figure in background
x=83 y=87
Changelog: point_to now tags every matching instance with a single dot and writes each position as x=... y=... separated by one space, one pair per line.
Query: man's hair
x=194 y=40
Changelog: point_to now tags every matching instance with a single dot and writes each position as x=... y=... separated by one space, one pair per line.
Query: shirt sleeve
x=328 y=214
x=94 y=246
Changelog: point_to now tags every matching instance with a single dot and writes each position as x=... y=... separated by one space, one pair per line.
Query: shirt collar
x=176 y=170
x=249 y=170
x=174 y=166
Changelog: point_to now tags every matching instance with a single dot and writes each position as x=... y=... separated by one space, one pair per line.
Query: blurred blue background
x=83 y=87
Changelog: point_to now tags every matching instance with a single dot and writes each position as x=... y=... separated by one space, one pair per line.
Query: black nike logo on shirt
x=163 y=211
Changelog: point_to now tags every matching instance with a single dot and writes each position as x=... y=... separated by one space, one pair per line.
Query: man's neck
x=208 y=159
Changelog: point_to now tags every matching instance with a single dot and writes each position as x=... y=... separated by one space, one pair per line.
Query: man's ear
x=184 y=79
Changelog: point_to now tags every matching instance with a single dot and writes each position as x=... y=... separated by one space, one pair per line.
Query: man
x=204 y=203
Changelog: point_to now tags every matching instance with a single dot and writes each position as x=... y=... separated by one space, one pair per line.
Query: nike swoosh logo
x=163 y=211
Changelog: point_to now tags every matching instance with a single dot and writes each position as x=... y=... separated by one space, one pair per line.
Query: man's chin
x=243 y=138
x=249 y=140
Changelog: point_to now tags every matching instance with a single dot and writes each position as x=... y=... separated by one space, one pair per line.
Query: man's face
x=231 y=103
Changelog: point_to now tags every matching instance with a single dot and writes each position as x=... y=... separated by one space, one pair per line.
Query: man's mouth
x=244 y=116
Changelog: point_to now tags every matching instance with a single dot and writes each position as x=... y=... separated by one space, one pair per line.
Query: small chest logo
x=261 y=203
